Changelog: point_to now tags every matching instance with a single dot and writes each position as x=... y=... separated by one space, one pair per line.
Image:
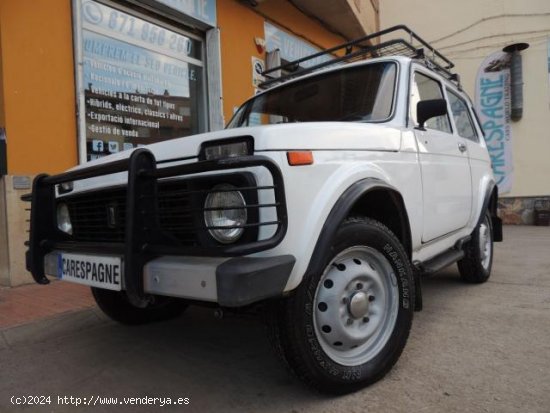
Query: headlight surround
x=227 y=148
x=64 y=219
x=225 y=196
x=65 y=187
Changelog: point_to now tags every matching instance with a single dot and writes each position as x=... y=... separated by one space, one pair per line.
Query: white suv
x=323 y=202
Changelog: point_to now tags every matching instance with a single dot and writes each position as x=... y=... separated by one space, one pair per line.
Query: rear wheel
x=115 y=305
x=476 y=265
x=345 y=327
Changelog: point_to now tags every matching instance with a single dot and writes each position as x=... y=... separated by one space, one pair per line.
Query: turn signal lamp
x=300 y=158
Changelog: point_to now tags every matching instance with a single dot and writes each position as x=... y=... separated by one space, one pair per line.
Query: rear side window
x=424 y=88
x=461 y=116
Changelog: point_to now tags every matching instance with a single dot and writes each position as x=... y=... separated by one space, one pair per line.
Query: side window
x=461 y=116
x=424 y=88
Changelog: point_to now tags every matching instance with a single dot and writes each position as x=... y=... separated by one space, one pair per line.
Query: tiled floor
x=27 y=303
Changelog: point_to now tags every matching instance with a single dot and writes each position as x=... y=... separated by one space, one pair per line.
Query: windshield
x=360 y=93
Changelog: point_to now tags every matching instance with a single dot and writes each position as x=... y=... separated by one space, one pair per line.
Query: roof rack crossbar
x=333 y=49
x=356 y=54
x=432 y=56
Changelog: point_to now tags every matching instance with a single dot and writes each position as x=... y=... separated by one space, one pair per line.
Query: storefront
x=82 y=79
x=140 y=79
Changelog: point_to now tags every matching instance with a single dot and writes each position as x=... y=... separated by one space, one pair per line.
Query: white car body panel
x=440 y=203
x=447 y=185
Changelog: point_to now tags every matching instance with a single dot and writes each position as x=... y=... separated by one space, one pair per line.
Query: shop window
x=139 y=81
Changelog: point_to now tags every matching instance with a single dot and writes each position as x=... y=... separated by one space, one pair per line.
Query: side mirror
x=427 y=109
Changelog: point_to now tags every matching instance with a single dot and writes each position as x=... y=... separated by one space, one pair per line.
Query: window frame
x=138 y=11
x=395 y=95
x=459 y=96
x=430 y=75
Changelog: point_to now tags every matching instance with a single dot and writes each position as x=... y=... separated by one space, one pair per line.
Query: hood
x=291 y=136
x=296 y=136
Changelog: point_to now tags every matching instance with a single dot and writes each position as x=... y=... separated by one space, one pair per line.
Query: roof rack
x=361 y=49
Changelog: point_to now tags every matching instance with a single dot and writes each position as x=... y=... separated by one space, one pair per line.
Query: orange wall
x=2 y=120
x=239 y=25
x=38 y=72
x=38 y=81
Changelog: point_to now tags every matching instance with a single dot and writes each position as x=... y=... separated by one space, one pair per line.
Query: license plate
x=95 y=271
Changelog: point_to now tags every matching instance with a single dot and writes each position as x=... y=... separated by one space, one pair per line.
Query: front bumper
x=147 y=247
x=230 y=282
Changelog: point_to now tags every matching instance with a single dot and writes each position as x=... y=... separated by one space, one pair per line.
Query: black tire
x=292 y=325
x=116 y=306
x=473 y=269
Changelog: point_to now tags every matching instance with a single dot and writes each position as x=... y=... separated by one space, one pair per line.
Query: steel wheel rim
x=356 y=305
x=485 y=246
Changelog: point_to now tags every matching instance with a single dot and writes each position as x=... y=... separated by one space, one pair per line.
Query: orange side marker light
x=300 y=158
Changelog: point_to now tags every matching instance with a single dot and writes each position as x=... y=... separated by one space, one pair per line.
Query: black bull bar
x=143 y=238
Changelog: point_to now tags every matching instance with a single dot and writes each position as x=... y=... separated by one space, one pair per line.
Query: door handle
x=461 y=146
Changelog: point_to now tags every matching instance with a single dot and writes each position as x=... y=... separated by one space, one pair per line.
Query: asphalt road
x=483 y=348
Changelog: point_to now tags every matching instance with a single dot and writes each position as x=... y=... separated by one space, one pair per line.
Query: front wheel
x=115 y=305
x=476 y=265
x=345 y=327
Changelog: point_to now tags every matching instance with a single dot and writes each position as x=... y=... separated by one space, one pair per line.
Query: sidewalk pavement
x=32 y=302
x=473 y=348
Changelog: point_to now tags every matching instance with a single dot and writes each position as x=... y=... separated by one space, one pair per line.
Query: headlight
x=218 y=213
x=64 y=219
